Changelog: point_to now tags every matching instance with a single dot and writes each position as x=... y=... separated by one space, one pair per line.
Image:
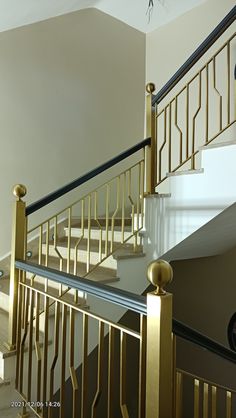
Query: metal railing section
x=208 y=397
x=131 y=375
x=115 y=207
x=197 y=114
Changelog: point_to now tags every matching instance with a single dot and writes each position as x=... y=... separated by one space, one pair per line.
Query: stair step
x=100 y=274
x=76 y=223
x=95 y=233
x=183 y=172
x=109 y=262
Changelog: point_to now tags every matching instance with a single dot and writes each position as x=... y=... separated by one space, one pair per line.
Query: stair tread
x=101 y=274
x=94 y=244
x=102 y=221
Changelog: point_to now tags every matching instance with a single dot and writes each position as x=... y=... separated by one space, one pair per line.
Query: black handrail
x=193 y=336
x=120 y=297
x=205 y=45
x=127 y=300
x=85 y=177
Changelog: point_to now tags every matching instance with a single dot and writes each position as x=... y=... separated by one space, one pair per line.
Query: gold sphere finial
x=19 y=191
x=150 y=88
x=159 y=273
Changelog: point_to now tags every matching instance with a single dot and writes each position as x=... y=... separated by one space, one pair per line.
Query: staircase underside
x=216 y=237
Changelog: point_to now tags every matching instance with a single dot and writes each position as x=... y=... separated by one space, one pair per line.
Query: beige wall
x=72 y=96
x=202 y=289
x=204 y=298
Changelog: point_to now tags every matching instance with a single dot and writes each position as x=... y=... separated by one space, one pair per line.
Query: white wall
x=71 y=98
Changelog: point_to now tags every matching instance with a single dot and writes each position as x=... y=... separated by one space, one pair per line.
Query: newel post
x=159 y=369
x=150 y=150
x=17 y=252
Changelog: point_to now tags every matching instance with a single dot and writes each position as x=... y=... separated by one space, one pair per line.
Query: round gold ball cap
x=160 y=273
x=19 y=190
x=150 y=87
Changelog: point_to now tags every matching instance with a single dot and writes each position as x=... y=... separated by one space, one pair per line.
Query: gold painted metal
x=45 y=345
x=23 y=339
x=187 y=121
x=38 y=350
x=213 y=401
x=107 y=218
x=56 y=351
x=68 y=241
x=218 y=93
x=142 y=366
x=99 y=226
x=159 y=371
x=179 y=395
x=159 y=273
x=205 y=399
x=228 y=404
x=115 y=213
x=224 y=121
x=196 y=398
x=179 y=130
x=123 y=404
x=63 y=361
x=89 y=233
x=228 y=83
x=194 y=119
x=100 y=368
x=74 y=380
x=110 y=380
x=207 y=104
x=84 y=385
x=123 y=210
x=150 y=158
x=30 y=345
x=169 y=151
x=19 y=227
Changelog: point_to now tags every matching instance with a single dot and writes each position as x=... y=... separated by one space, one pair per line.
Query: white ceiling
x=15 y=13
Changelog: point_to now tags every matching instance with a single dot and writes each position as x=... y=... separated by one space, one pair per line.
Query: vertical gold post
x=205 y=400
x=213 y=401
x=179 y=395
x=196 y=398
x=150 y=155
x=17 y=252
x=159 y=383
x=228 y=404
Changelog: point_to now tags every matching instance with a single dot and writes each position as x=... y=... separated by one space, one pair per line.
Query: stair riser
x=82 y=257
x=95 y=234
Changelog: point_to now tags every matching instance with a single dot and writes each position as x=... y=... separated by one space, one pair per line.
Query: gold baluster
x=159 y=374
x=110 y=395
x=213 y=401
x=150 y=151
x=19 y=228
x=196 y=398
x=205 y=400
x=142 y=365
x=84 y=385
x=179 y=395
x=228 y=404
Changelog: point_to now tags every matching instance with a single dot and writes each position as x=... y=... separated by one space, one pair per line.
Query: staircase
x=161 y=206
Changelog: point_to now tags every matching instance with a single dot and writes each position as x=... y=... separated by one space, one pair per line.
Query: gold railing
x=195 y=116
x=132 y=371
x=115 y=207
x=116 y=380
x=208 y=397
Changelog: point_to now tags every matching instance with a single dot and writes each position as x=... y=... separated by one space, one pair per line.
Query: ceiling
x=16 y=13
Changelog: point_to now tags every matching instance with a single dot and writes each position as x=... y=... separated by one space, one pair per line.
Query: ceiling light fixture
x=151 y=7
